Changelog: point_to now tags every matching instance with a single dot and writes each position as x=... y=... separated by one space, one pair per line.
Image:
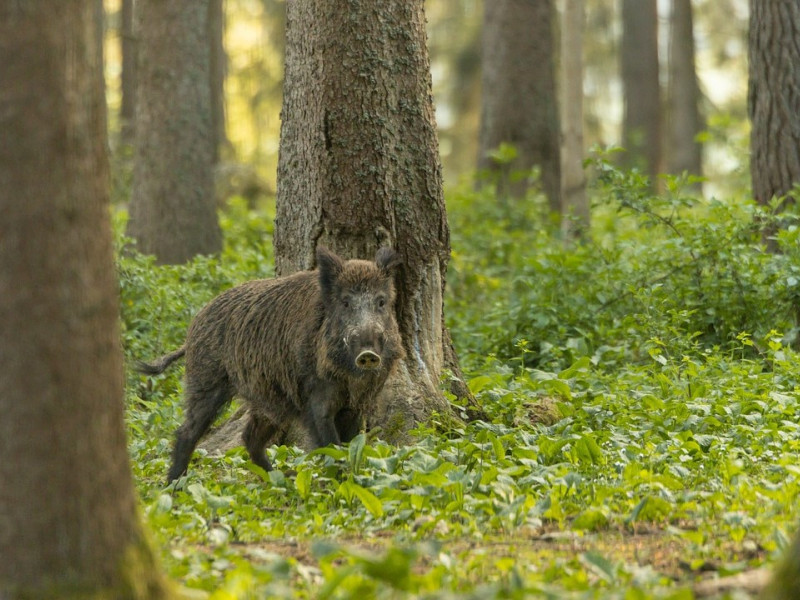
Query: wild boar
x=314 y=347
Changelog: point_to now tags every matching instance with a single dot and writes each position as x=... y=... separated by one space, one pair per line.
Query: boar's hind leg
x=202 y=407
x=256 y=435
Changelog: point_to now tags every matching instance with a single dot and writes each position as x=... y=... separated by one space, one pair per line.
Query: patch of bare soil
x=664 y=551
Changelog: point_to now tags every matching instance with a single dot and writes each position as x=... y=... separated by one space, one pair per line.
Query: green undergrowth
x=664 y=353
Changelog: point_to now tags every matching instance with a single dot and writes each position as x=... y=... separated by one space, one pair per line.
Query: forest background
x=635 y=377
x=255 y=40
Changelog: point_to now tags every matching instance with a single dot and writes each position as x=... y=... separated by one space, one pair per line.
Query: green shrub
x=670 y=269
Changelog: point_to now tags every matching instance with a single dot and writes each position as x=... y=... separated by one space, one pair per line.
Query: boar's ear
x=387 y=260
x=330 y=267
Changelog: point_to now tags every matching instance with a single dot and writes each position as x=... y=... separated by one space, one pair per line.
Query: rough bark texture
x=575 y=204
x=519 y=104
x=774 y=97
x=641 y=124
x=684 y=152
x=217 y=64
x=359 y=168
x=127 y=111
x=68 y=520
x=173 y=209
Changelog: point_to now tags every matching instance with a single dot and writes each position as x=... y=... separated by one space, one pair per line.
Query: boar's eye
x=346 y=301
x=381 y=302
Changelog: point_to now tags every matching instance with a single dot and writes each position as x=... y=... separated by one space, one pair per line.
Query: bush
x=668 y=270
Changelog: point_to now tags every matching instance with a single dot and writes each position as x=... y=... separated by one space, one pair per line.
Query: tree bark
x=784 y=584
x=127 y=112
x=68 y=519
x=774 y=98
x=359 y=169
x=173 y=208
x=519 y=105
x=217 y=66
x=575 y=204
x=641 y=124
x=684 y=152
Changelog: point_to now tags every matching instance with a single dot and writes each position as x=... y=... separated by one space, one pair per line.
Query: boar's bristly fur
x=315 y=347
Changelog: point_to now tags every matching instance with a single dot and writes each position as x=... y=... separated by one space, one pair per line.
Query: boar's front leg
x=348 y=423
x=321 y=411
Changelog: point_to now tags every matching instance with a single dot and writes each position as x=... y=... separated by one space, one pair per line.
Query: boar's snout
x=368 y=360
x=366 y=347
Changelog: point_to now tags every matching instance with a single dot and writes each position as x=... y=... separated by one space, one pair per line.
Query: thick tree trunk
x=68 y=520
x=358 y=169
x=519 y=103
x=127 y=36
x=173 y=208
x=785 y=581
x=575 y=204
x=684 y=152
x=641 y=124
x=774 y=98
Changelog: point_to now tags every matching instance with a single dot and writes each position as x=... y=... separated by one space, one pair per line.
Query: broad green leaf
x=302 y=482
x=600 y=565
x=369 y=500
x=163 y=504
x=335 y=452
x=588 y=450
x=356 y=452
x=582 y=364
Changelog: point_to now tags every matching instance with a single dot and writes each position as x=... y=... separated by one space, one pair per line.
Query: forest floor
x=667 y=350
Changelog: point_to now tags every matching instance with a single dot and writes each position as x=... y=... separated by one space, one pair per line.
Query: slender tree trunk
x=684 y=152
x=641 y=125
x=575 y=204
x=128 y=46
x=216 y=35
x=68 y=520
x=774 y=98
x=519 y=103
x=173 y=208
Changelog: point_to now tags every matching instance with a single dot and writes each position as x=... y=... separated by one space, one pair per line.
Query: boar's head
x=358 y=297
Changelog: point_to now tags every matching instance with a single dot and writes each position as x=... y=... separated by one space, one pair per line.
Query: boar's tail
x=160 y=365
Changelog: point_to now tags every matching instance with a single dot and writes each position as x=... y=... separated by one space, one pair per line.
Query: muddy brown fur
x=315 y=347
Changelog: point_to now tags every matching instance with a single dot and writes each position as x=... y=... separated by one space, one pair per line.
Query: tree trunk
x=68 y=519
x=127 y=112
x=217 y=64
x=575 y=204
x=359 y=169
x=519 y=105
x=785 y=581
x=684 y=152
x=173 y=208
x=641 y=124
x=774 y=98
